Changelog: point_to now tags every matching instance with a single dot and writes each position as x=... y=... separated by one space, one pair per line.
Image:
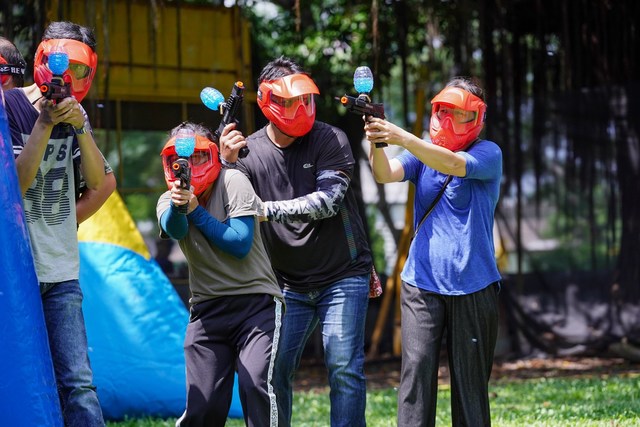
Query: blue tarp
x=28 y=395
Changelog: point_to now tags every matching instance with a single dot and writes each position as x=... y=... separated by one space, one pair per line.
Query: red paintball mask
x=288 y=102
x=205 y=163
x=457 y=118
x=82 y=64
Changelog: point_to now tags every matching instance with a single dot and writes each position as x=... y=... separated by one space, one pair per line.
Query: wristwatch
x=80 y=131
x=230 y=165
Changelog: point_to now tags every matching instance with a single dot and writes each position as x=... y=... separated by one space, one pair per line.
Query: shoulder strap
x=433 y=204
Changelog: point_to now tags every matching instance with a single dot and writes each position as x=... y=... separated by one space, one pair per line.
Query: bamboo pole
x=393 y=286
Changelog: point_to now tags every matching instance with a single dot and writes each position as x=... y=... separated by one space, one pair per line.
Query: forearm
x=174 y=223
x=234 y=236
x=380 y=166
x=323 y=203
x=28 y=162
x=92 y=161
x=434 y=156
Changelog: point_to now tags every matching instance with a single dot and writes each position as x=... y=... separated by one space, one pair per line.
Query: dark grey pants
x=470 y=325
x=224 y=335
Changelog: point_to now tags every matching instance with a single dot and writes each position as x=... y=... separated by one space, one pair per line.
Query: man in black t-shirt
x=301 y=168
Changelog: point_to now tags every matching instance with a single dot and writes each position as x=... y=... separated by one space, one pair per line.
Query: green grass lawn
x=612 y=401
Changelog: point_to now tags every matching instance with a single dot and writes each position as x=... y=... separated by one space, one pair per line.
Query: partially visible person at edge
x=47 y=138
x=235 y=304
x=301 y=168
x=12 y=65
x=450 y=281
x=88 y=201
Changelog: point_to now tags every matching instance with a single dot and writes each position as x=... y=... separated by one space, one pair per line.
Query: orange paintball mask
x=204 y=162
x=457 y=118
x=288 y=102
x=83 y=62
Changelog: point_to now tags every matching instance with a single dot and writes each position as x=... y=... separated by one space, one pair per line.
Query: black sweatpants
x=224 y=335
x=470 y=323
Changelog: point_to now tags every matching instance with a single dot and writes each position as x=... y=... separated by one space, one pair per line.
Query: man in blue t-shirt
x=450 y=281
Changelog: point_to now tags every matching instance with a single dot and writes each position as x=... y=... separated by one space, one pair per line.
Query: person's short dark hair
x=468 y=84
x=196 y=128
x=278 y=68
x=12 y=55
x=70 y=30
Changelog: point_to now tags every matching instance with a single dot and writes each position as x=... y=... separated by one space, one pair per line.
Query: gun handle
x=183 y=208
x=381 y=144
x=244 y=152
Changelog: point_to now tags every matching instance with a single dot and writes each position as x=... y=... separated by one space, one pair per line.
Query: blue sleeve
x=484 y=161
x=411 y=165
x=174 y=223
x=234 y=236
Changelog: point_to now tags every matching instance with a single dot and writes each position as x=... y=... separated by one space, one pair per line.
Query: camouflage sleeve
x=331 y=186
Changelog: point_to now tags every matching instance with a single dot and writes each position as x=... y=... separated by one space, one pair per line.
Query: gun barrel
x=362 y=107
x=231 y=111
x=182 y=171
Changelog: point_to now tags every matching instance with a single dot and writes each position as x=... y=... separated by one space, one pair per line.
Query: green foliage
x=376 y=241
x=584 y=242
x=332 y=40
x=543 y=402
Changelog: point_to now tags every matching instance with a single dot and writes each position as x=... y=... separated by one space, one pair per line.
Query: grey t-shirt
x=213 y=272
x=49 y=203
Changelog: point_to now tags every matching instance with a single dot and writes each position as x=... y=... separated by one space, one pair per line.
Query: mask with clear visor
x=288 y=103
x=457 y=118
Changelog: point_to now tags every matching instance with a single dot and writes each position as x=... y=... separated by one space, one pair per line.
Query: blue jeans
x=341 y=310
x=62 y=304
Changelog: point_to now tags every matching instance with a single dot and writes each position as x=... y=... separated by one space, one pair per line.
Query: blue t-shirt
x=453 y=253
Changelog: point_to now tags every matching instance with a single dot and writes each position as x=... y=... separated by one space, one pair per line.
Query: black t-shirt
x=309 y=255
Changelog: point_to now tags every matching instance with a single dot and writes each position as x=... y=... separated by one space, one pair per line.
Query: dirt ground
x=385 y=372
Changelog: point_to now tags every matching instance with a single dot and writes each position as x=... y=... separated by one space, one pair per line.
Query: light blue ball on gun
x=363 y=80
x=211 y=98
x=57 y=88
x=185 y=143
